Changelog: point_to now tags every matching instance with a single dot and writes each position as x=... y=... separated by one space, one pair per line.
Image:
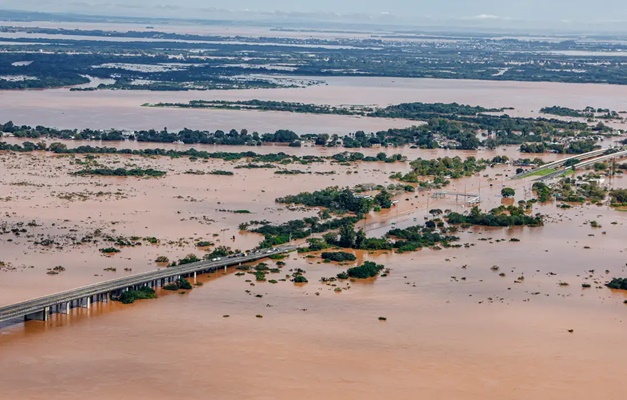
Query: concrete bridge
x=589 y=162
x=41 y=308
x=560 y=163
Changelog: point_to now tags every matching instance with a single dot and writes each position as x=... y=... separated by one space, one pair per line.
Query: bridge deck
x=561 y=162
x=25 y=308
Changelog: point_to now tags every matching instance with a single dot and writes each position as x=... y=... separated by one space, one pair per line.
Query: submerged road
x=41 y=307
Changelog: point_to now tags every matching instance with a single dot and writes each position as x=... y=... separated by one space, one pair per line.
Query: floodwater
x=455 y=329
x=123 y=109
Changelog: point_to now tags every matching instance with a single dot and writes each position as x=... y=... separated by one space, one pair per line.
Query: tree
x=57 y=147
x=383 y=199
x=360 y=239
x=435 y=212
x=330 y=238
x=347 y=236
x=619 y=196
x=508 y=192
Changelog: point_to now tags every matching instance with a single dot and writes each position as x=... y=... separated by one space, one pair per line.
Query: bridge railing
x=131 y=279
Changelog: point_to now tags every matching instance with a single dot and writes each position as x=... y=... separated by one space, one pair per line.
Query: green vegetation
x=415 y=111
x=61 y=148
x=300 y=279
x=142 y=293
x=579 y=190
x=340 y=200
x=109 y=250
x=369 y=269
x=442 y=169
x=588 y=112
x=447 y=126
x=137 y=172
x=567 y=112
x=338 y=256
x=145 y=62
x=542 y=191
x=542 y=172
x=416 y=237
x=220 y=172
x=188 y=259
x=356 y=156
x=220 y=251
x=254 y=166
x=573 y=147
x=618 y=283
x=500 y=216
x=298 y=229
x=162 y=259
x=508 y=192
x=179 y=284
x=618 y=197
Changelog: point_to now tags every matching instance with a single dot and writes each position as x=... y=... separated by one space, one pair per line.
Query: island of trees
x=445 y=126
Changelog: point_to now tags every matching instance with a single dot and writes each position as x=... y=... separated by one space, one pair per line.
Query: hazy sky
x=474 y=12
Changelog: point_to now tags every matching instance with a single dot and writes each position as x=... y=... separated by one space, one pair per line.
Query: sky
x=549 y=14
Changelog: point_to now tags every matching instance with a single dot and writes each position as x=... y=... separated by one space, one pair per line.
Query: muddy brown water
x=445 y=337
x=454 y=328
x=123 y=109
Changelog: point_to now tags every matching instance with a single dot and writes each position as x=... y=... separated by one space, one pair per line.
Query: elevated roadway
x=40 y=308
x=584 y=164
x=560 y=163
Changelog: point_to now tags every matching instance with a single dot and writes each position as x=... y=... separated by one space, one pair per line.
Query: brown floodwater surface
x=455 y=328
x=123 y=109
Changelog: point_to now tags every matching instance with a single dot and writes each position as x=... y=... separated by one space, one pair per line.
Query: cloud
x=486 y=16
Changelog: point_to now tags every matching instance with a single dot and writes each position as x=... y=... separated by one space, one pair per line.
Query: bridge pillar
x=86 y=302
x=64 y=308
x=195 y=278
x=43 y=315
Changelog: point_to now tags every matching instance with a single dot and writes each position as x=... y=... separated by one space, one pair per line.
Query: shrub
x=260 y=276
x=130 y=296
x=618 y=283
x=181 y=283
x=368 y=270
x=190 y=258
x=300 y=279
x=109 y=250
x=342 y=275
x=171 y=286
x=184 y=284
x=339 y=256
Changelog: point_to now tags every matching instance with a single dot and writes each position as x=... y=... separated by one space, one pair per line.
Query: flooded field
x=455 y=327
x=123 y=109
